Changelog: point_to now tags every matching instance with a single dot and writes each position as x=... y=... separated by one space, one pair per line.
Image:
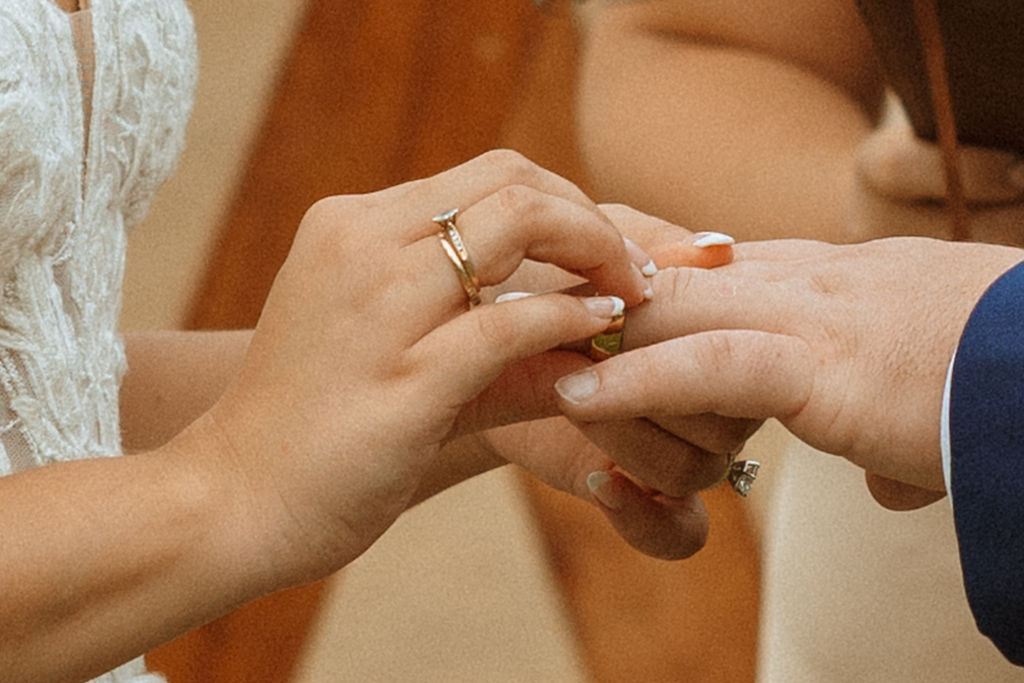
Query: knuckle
x=327 y=221
x=677 y=281
x=495 y=329
x=513 y=166
x=519 y=201
x=714 y=351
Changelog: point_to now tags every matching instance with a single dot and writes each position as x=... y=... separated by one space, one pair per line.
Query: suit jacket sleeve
x=987 y=445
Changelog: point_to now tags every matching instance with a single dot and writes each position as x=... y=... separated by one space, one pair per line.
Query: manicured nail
x=648 y=293
x=598 y=482
x=511 y=296
x=578 y=387
x=1015 y=174
x=713 y=239
x=640 y=258
x=605 y=306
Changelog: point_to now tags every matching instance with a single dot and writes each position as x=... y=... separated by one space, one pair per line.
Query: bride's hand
x=367 y=354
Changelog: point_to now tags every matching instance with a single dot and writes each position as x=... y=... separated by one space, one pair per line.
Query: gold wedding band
x=455 y=248
x=607 y=343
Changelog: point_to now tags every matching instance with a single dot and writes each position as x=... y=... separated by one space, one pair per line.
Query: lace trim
x=78 y=169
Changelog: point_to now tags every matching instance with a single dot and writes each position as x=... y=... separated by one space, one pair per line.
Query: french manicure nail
x=511 y=296
x=713 y=239
x=605 y=306
x=598 y=482
x=640 y=258
x=578 y=387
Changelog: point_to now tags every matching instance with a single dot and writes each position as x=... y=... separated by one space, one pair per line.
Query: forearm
x=125 y=553
x=724 y=126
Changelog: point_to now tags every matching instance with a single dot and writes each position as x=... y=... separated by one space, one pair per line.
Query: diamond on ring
x=742 y=475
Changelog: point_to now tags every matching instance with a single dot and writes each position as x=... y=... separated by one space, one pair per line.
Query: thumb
x=733 y=373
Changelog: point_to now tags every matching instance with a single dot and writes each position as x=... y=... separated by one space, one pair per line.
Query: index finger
x=412 y=204
x=689 y=300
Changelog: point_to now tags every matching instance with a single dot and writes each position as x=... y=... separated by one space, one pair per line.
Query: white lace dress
x=93 y=109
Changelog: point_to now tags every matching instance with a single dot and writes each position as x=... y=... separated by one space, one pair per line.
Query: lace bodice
x=75 y=176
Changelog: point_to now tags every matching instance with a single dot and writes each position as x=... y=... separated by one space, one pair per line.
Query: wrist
x=244 y=538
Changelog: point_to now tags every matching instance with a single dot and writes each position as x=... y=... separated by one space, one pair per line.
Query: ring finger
x=499 y=232
x=661 y=459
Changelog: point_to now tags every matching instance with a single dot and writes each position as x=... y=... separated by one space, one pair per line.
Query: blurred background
x=498 y=579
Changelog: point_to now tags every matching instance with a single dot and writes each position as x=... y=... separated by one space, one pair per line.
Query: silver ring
x=742 y=475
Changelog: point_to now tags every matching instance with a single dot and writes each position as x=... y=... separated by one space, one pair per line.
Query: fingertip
x=658 y=526
x=512 y=296
x=705 y=240
x=642 y=287
x=897 y=496
x=604 y=307
x=579 y=387
x=701 y=250
x=641 y=259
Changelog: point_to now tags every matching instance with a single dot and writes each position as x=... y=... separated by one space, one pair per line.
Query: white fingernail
x=713 y=239
x=596 y=482
x=639 y=255
x=648 y=293
x=605 y=306
x=578 y=387
x=511 y=296
x=1015 y=174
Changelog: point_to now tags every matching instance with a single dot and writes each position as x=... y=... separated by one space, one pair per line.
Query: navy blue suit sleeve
x=987 y=445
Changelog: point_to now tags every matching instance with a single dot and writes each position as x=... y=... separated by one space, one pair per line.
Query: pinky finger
x=895 y=495
x=654 y=524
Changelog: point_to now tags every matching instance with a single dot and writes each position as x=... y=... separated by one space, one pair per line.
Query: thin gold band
x=455 y=248
x=607 y=343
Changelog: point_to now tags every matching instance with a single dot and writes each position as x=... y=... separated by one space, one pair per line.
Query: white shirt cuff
x=947 y=451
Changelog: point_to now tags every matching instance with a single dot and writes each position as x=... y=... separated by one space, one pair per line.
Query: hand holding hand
x=644 y=473
x=366 y=358
x=848 y=346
